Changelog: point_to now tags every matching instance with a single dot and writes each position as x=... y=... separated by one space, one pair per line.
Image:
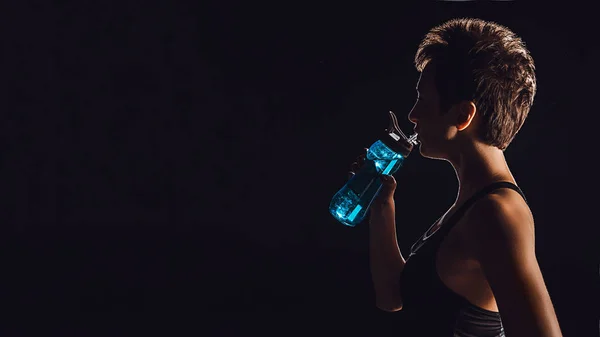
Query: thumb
x=387 y=179
x=388 y=184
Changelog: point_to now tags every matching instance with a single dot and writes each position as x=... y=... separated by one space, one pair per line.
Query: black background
x=179 y=157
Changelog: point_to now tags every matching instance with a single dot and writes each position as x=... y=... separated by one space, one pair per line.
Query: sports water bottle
x=350 y=204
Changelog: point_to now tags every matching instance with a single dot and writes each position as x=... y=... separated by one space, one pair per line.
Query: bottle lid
x=396 y=140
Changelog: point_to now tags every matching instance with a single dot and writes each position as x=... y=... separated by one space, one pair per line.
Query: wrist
x=380 y=204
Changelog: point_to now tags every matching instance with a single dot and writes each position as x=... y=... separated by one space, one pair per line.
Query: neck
x=477 y=166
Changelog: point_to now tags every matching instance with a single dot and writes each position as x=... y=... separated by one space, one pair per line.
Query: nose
x=411 y=118
x=412 y=115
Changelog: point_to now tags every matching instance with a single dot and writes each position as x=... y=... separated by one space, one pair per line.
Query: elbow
x=388 y=296
x=389 y=302
x=388 y=306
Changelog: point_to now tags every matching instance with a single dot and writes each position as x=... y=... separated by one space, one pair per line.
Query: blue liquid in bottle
x=350 y=204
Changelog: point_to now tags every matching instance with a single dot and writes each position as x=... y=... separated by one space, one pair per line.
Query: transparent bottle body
x=351 y=203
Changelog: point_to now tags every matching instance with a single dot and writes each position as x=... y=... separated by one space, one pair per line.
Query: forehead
x=426 y=79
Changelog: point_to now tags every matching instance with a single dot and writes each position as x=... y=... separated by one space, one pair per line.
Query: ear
x=466 y=113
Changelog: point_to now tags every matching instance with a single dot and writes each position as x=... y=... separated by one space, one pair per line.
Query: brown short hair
x=486 y=63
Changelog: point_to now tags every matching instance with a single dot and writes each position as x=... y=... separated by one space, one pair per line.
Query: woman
x=474 y=272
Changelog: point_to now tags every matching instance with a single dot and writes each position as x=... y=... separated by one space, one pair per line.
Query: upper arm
x=504 y=245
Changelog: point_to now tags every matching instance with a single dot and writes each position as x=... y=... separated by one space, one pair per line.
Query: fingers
x=364 y=155
x=388 y=187
x=356 y=166
x=388 y=182
x=360 y=160
x=387 y=179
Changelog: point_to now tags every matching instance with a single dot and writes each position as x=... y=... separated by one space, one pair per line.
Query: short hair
x=486 y=63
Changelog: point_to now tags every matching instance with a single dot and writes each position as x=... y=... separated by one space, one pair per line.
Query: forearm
x=386 y=260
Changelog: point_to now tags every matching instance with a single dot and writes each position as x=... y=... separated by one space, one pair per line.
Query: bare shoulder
x=501 y=222
x=502 y=240
x=502 y=216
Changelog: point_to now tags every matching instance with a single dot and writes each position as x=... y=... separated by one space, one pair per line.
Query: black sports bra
x=432 y=309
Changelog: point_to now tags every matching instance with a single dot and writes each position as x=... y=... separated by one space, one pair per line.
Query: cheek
x=451 y=132
x=446 y=127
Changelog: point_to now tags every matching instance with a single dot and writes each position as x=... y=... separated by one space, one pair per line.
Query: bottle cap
x=396 y=140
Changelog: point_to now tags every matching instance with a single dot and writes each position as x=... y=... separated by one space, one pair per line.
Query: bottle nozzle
x=395 y=132
x=413 y=139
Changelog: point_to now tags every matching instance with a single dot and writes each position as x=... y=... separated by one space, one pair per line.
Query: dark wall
x=181 y=156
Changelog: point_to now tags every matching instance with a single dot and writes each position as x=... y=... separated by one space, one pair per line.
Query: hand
x=357 y=165
x=386 y=194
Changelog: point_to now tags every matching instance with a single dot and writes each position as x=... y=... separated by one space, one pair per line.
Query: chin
x=428 y=153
